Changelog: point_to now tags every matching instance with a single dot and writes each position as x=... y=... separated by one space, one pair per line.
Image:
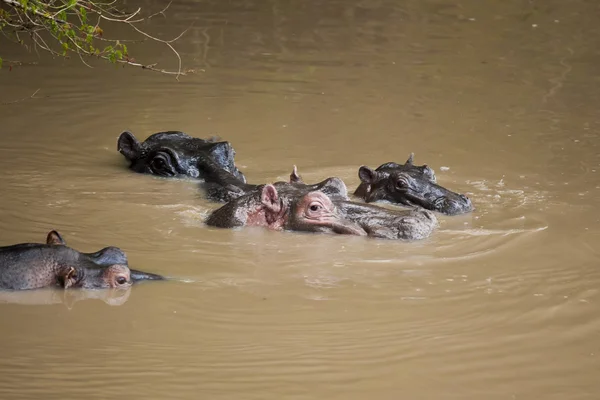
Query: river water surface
x=501 y=98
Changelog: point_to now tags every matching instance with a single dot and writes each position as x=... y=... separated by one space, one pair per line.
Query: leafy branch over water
x=64 y=27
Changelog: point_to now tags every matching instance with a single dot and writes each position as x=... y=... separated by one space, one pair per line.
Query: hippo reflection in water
x=68 y=298
x=35 y=265
x=409 y=185
x=176 y=154
x=297 y=209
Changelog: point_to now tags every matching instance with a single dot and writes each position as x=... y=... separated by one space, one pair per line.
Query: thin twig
x=23 y=99
x=13 y=3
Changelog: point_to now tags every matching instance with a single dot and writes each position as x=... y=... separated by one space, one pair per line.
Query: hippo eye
x=315 y=207
x=159 y=163
x=401 y=184
x=121 y=280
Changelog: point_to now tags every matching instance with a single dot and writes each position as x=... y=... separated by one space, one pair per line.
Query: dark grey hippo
x=36 y=265
x=410 y=185
x=176 y=154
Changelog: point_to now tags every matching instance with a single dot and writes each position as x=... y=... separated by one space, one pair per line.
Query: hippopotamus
x=299 y=209
x=176 y=154
x=409 y=185
x=36 y=265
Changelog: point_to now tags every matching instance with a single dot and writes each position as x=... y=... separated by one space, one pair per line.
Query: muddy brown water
x=502 y=99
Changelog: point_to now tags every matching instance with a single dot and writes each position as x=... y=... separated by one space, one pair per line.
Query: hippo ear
x=367 y=175
x=221 y=150
x=55 y=238
x=69 y=278
x=295 y=177
x=410 y=160
x=129 y=146
x=270 y=199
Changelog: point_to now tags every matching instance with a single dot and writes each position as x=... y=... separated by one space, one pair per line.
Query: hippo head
x=106 y=268
x=315 y=211
x=409 y=185
x=176 y=154
x=97 y=277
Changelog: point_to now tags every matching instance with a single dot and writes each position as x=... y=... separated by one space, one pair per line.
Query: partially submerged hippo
x=314 y=211
x=36 y=265
x=409 y=185
x=176 y=154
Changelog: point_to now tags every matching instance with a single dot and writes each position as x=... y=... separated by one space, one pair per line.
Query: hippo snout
x=457 y=205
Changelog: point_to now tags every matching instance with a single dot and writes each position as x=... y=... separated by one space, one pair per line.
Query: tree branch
x=53 y=16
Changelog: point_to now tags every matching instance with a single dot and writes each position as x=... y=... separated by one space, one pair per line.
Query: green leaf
x=0 y=62
x=83 y=14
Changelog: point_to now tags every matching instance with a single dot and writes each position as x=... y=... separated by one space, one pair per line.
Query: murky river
x=501 y=98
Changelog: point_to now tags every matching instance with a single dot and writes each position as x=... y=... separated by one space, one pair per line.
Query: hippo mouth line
x=442 y=204
x=340 y=224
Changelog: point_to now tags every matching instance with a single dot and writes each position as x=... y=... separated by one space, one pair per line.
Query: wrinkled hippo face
x=176 y=154
x=370 y=179
x=98 y=277
x=317 y=212
x=411 y=190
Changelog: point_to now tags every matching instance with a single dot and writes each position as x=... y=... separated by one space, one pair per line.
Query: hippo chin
x=35 y=265
x=409 y=185
x=315 y=211
x=176 y=154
